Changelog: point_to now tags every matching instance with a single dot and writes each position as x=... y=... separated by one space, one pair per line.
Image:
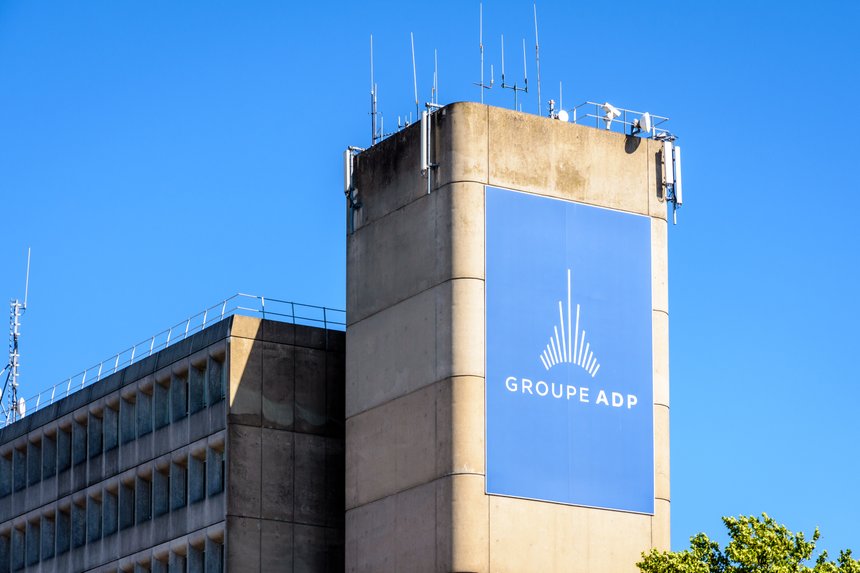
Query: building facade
x=221 y=452
x=427 y=420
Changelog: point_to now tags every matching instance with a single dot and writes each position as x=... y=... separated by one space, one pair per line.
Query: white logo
x=572 y=348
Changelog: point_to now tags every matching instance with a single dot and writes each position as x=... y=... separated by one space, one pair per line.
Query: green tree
x=758 y=545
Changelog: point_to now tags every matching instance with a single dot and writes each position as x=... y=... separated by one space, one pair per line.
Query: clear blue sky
x=159 y=156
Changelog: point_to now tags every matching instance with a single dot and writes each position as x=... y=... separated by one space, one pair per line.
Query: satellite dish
x=563 y=116
x=643 y=123
x=21 y=407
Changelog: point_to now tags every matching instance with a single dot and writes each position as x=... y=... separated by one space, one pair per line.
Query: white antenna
x=14 y=407
x=435 y=92
x=27 y=280
x=414 y=75
x=481 y=46
x=672 y=176
x=373 y=114
x=537 y=59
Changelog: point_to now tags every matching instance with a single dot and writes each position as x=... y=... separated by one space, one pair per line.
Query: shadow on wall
x=285 y=447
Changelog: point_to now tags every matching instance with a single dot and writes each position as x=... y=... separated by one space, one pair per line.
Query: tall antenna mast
x=373 y=124
x=481 y=46
x=415 y=75
x=537 y=59
x=434 y=96
x=14 y=407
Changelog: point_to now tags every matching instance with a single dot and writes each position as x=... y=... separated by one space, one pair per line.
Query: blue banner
x=569 y=374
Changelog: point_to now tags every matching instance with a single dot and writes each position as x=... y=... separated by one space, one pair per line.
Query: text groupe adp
x=569 y=392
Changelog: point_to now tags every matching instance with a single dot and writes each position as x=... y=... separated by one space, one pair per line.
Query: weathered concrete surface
x=415 y=347
x=127 y=473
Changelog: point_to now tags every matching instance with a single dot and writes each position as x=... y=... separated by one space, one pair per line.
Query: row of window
x=120 y=504
x=134 y=415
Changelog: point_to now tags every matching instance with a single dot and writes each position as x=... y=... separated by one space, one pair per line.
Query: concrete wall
x=285 y=448
x=224 y=450
x=415 y=348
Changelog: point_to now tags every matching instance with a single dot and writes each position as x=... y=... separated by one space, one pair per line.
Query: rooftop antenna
x=481 y=46
x=525 y=76
x=16 y=407
x=537 y=59
x=373 y=93
x=415 y=75
x=434 y=94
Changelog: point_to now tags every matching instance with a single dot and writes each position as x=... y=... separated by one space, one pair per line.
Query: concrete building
x=256 y=445
x=416 y=416
x=221 y=452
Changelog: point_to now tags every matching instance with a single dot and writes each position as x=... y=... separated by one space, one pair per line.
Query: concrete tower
x=507 y=391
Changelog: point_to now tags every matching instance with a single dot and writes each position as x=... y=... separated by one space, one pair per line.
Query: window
x=79 y=442
x=94 y=518
x=49 y=455
x=48 y=533
x=64 y=449
x=178 y=484
x=161 y=403
x=34 y=462
x=215 y=380
x=215 y=469
x=96 y=437
x=197 y=477
x=197 y=388
x=111 y=510
x=144 y=412
x=179 y=396
x=161 y=491
x=144 y=498
x=19 y=459
x=126 y=504
x=127 y=418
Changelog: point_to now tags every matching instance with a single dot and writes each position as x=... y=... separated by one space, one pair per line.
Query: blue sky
x=160 y=156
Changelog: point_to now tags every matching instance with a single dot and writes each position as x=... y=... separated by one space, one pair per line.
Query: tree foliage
x=757 y=545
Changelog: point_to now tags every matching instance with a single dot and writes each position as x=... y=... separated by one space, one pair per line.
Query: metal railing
x=238 y=304
x=623 y=123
